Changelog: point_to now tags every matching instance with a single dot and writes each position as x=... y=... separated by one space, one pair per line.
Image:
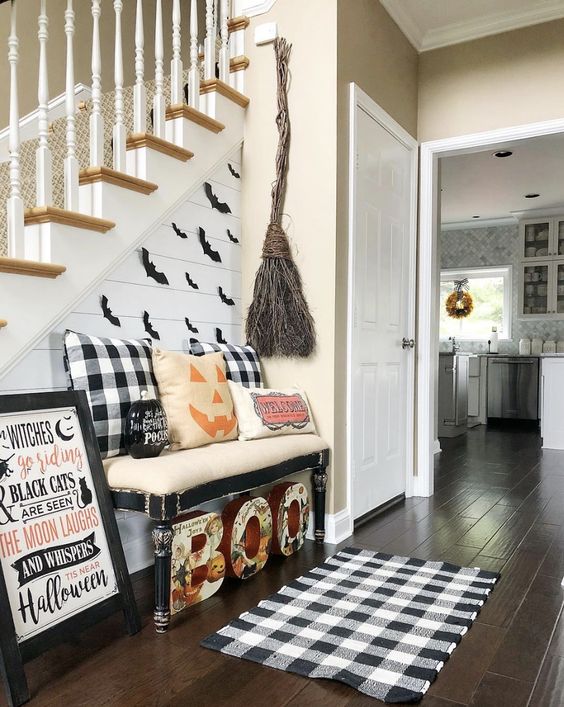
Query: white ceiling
x=429 y=24
x=481 y=185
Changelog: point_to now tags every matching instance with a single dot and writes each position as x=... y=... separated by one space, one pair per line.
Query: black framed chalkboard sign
x=62 y=565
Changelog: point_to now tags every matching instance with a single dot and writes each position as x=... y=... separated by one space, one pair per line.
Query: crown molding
x=478 y=223
x=539 y=213
x=251 y=8
x=405 y=22
x=458 y=32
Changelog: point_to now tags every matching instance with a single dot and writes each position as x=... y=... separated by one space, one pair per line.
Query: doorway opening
x=491 y=226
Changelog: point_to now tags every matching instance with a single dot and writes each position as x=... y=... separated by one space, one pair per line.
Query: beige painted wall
x=28 y=11
x=374 y=54
x=370 y=50
x=494 y=82
x=310 y=201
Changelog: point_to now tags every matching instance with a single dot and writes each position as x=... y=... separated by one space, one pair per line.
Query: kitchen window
x=491 y=291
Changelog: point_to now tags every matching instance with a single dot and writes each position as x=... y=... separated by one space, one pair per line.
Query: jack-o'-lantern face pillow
x=196 y=398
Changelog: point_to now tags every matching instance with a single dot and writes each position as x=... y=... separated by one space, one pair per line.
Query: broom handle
x=282 y=49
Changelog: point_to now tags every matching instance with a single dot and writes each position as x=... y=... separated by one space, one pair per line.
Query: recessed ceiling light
x=502 y=153
x=475 y=217
x=531 y=196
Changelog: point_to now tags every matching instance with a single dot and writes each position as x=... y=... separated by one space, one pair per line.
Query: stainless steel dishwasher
x=513 y=387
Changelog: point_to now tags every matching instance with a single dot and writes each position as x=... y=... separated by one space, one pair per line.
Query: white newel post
x=176 y=67
x=224 y=34
x=159 y=100
x=139 y=92
x=194 y=74
x=119 y=133
x=43 y=162
x=15 y=203
x=96 y=119
x=209 y=42
x=71 y=163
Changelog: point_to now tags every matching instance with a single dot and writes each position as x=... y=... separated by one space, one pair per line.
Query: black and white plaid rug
x=381 y=623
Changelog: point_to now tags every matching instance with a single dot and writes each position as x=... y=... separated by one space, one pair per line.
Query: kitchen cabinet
x=541 y=290
x=453 y=394
x=552 y=402
x=542 y=238
x=541 y=273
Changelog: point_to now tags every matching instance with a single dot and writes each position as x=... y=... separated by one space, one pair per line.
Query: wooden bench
x=176 y=482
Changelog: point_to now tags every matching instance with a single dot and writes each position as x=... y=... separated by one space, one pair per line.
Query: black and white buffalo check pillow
x=242 y=362
x=112 y=372
x=380 y=623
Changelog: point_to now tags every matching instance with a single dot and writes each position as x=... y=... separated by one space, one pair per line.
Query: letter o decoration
x=289 y=503
x=197 y=567
x=247 y=536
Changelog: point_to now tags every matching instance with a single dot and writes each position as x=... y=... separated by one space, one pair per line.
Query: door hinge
x=357 y=160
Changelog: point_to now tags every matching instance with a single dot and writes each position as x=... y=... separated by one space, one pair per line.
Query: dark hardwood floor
x=499 y=504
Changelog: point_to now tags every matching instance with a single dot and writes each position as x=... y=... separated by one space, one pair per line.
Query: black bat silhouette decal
x=219 y=336
x=221 y=206
x=224 y=298
x=194 y=341
x=5 y=470
x=231 y=237
x=206 y=247
x=179 y=232
x=233 y=172
x=108 y=312
x=149 y=327
x=151 y=270
x=190 y=326
x=191 y=282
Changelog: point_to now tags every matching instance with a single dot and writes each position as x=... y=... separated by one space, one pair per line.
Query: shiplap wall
x=130 y=292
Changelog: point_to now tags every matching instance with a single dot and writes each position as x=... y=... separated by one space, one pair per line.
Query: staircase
x=93 y=185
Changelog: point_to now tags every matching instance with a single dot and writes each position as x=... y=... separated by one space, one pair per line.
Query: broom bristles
x=279 y=322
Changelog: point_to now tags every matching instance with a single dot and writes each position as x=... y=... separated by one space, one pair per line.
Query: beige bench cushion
x=173 y=472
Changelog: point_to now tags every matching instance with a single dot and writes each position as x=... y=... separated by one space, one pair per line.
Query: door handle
x=407 y=343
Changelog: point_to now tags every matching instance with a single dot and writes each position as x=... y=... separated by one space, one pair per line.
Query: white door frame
x=359 y=100
x=427 y=334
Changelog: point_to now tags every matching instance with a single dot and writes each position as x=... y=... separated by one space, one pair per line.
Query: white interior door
x=382 y=292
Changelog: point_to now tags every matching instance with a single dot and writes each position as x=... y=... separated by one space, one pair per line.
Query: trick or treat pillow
x=265 y=412
x=196 y=398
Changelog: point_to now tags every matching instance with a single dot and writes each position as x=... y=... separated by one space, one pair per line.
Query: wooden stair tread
x=153 y=142
x=239 y=63
x=224 y=90
x=53 y=214
x=3 y=323
x=92 y=175
x=19 y=266
x=194 y=115
x=235 y=24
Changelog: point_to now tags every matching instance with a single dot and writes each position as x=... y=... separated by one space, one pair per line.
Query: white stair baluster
x=194 y=74
x=15 y=203
x=209 y=42
x=159 y=101
x=71 y=163
x=176 y=67
x=43 y=162
x=96 y=119
x=139 y=92
x=119 y=134
x=224 y=33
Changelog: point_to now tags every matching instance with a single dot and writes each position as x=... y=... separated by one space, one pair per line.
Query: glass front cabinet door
x=536 y=290
x=542 y=238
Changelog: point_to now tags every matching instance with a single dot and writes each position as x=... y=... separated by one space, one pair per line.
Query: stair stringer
x=33 y=306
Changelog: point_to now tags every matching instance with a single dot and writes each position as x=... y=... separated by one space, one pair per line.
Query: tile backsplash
x=499 y=245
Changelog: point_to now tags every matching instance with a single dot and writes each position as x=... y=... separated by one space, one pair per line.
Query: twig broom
x=279 y=322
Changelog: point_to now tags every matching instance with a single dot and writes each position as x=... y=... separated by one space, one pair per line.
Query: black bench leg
x=162 y=540
x=319 y=487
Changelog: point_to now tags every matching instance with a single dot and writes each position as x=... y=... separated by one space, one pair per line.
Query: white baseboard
x=338 y=527
x=437 y=447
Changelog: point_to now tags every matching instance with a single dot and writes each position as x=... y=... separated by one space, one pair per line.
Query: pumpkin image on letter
x=218 y=419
